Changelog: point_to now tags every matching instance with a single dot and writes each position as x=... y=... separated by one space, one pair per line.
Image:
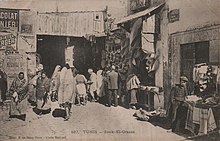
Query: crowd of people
x=68 y=86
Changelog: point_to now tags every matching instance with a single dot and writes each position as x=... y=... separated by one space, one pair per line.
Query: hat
x=40 y=67
x=113 y=67
x=90 y=70
x=184 y=78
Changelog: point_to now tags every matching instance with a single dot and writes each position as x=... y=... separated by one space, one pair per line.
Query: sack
x=59 y=113
x=141 y=115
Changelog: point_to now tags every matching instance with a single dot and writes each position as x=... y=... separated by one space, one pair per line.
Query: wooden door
x=187 y=60
x=202 y=52
x=191 y=54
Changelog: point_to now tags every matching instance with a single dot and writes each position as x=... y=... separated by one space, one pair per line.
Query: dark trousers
x=3 y=95
x=179 y=116
x=112 y=94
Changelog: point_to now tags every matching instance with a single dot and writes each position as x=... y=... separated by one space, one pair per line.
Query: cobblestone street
x=91 y=122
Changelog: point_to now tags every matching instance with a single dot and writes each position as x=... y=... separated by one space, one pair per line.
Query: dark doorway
x=191 y=54
x=85 y=53
x=52 y=51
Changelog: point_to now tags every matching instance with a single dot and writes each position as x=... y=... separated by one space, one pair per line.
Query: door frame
x=171 y=72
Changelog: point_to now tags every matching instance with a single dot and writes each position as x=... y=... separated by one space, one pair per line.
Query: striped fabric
x=203 y=117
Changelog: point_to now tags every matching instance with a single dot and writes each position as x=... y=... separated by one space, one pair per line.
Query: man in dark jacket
x=113 y=87
x=177 y=95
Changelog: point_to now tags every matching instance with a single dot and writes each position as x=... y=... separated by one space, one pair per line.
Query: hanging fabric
x=135 y=32
x=148 y=35
x=218 y=76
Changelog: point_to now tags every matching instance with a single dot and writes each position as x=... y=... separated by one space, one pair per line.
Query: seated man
x=177 y=95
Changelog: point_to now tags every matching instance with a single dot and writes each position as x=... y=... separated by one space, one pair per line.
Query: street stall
x=150 y=109
x=203 y=106
x=148 y=95
x=140 y=54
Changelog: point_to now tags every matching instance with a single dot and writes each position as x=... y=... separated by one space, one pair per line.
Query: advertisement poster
x=9 y=19
x=7 y=40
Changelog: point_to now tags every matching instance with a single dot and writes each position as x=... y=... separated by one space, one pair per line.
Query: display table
x=147 y=95
x=202 y=115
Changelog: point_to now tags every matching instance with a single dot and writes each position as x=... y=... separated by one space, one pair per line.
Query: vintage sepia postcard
x=109 y=70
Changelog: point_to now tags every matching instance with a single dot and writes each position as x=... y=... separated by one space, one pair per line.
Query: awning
x=139 y=14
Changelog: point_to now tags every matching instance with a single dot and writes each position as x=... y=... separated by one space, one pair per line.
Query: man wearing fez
x=177 y=98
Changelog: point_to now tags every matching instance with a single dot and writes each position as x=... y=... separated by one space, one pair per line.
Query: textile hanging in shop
x=125 y=43
x=202 y=71
x=213 y=69
x=153 y=62
x=103 y=60
x=135 y=33
x=125 y=47
x=196 y=71
x=136 y=53
x=199 y=72
x=148 y=35
x=134 y=62
x=155 y=65
x=218 y=76
x=90 y=38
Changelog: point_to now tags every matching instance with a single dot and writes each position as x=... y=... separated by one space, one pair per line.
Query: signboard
x=9 y=19
x=7 y=40
x=174 y=15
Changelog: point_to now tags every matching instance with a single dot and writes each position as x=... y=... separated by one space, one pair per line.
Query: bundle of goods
x=193 y=98
x=141 y=115
x=205 y=79
x=145 y=116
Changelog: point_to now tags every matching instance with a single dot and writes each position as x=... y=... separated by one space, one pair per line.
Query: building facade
x=193 y=38
x=33 y=33
x=179 y=34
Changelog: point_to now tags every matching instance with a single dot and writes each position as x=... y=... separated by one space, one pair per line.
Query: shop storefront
x=78 y=33
x=50 y=38
x=193 y=47
x=140 y=52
